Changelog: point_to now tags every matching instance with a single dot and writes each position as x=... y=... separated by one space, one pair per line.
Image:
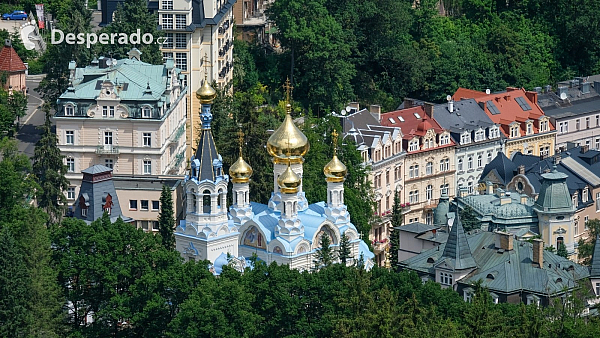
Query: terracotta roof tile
x=10 y=61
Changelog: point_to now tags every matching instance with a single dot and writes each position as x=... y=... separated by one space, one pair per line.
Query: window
x=155 y=225
x=597 y=289
x=494 y=132
x=544 y=126
x=70 y=136
x=445 y=278
x=155 y=205
x=429 y=218
x=168 y=44
x=444 y=140
x=489 y=157
x=444 y=164
x=544 y=150
x=514 y=131
x=479 y=135
x=83 y=212
x=180 y=21
x=104 y=111
x=444 y=188
x=429 y=192
x=69 y=111
x=587 y=123
x=181 y=60
x=529 y=128
x=460 y=164
x=70 y=164
x=146 y=112
x=109 y=162
x=470 y=186
x=470 y=163
x=147 y=139
x=180 y=41
x=563 y=127
x=559 y=241
x=413 y=145
x=132 y=204
x=465 y=138
x=71 y=193
x=387 y=177
x=111 y=111
x=585 y=221
x=413 y=197
x=479 y=161
x=429 y=168
x=577 y=124
x=167 y=21
x=576 y=227
x=108 y=137
x=468 y=296
x=147 y=167
x=167 y=4
x=144 y=205
x=597 y=201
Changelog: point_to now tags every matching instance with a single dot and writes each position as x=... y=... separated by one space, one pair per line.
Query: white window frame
x=71 y=193
x=413 y=145
x=111 y=111
x=429 y=168
x=69 y=110
x=429 y=192
x=108 y=138
x=146 y=112
x=147 y=139
x=109 y=162
x=147 y=167
x=181 y=60
x=70 y=137
x=70 y=164
x=180 y=21
x=166 y=21
x=181 y=41
x=460 y=164
x=167 y=5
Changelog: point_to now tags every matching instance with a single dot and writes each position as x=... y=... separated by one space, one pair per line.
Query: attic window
x=392 y=120
x=417 y=115
x=559 y=280
x=522 y=103
x=430 y=260
x=490 y=276
x=492 y=108
x=401 y=118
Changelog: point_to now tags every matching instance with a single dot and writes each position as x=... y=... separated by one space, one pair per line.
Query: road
x=29 y=134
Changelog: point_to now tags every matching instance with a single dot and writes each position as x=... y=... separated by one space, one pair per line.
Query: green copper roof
x=554 y=194
x=457 y=253
x=440 y=215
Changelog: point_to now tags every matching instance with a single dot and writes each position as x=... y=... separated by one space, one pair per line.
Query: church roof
x=206 y=154
x=595 y=265
x=457 y=252
x=10 y=60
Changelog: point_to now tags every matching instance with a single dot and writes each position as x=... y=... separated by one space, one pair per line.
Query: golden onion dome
x=289 y=181
x=335 y=170
x=240 y=171
x=206 y=94
x=288 y=142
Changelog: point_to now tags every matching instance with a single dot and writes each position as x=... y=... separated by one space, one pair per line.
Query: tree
x=396 y=221
x=166 y=222
x=585 y=248
x=73 y=17
x=562 y=250
x=50 y=171
x=129 y=18
x=324 y=255
x=469 y=219
x=345 y=252
x=12 y=106
x=16 y=183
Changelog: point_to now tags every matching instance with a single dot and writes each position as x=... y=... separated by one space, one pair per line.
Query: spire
x=457 y=249
x=595 y=264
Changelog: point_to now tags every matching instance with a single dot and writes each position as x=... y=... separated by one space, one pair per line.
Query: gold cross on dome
x=288 y=90
x=335 y=140
x=240 y=140
x=206 y=65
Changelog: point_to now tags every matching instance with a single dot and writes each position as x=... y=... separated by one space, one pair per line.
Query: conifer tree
x=166 y=223
x=562 y=250
x=345 y=251
x=50 y=171
x=324 y=255
x=394 y=238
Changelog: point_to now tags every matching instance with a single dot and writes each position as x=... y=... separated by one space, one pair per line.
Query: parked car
x=16 y=15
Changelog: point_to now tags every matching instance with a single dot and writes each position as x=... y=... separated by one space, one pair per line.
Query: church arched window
x=219 y=198
x=206 y=202
x=194 y=202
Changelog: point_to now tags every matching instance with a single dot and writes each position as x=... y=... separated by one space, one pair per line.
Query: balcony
x=380 y=245
x=177 y=135
x=107 y=149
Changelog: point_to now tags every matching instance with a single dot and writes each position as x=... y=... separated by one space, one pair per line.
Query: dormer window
x=465 y=138
x=479 y=135
x=584 y=195
x=444 y=139
x=544 y=126
x=413 y=145
x=514 y=131
x=108 y=111
x=428 y=143
x=146 y=112
x=529 y=128
x=69 y=110
x=494 y=132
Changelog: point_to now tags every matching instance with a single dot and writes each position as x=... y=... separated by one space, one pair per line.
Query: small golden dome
x=289 y=182
x=335 y=170
x=206 y=94
x=240 y=171
x=288 y=142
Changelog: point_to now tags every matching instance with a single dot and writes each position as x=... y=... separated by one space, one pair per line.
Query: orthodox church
x=287 y=230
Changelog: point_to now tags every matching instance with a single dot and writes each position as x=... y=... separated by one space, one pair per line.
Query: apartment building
x=127 y=115
x=429 y=165
x=521 y=120
x=200 y=40
x=382 y=152
x=574 y=108
x=478 y=139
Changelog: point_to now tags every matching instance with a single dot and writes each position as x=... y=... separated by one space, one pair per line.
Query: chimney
x=511 y=89
x=585 y=148
x=532 y=96
x=489 y=188
x=354 y=105
x=562 y=90
x=538 y=90
x=524 y=199
x=504 y=240
x=557 y=159
x=434 y=232
x=482 y=105
x=488 y=91
x=375 y=109
x=408 y=103
x=585 y=88
x=579 y=80
x=521 y=169
x=428 y=107
x=7 y=43
x=451 y=106
x=548 y=88
x=597 y=86
x=505 y=200
x=538 y=252
x=500 y=192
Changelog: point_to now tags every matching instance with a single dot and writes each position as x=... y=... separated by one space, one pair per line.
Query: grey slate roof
x=457 y=253
x=416 y=228
x=501 y=166
x=206 y=154
x=578 y=101
x=96 y=169
x=595 y=266
x=507 y=271
x=466 y=115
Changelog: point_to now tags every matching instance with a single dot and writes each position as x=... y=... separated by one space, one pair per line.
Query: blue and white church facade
x=287 y=230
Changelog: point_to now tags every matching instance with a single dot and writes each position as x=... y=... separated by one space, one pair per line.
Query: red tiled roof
x=10 y=61
x=509 y=109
